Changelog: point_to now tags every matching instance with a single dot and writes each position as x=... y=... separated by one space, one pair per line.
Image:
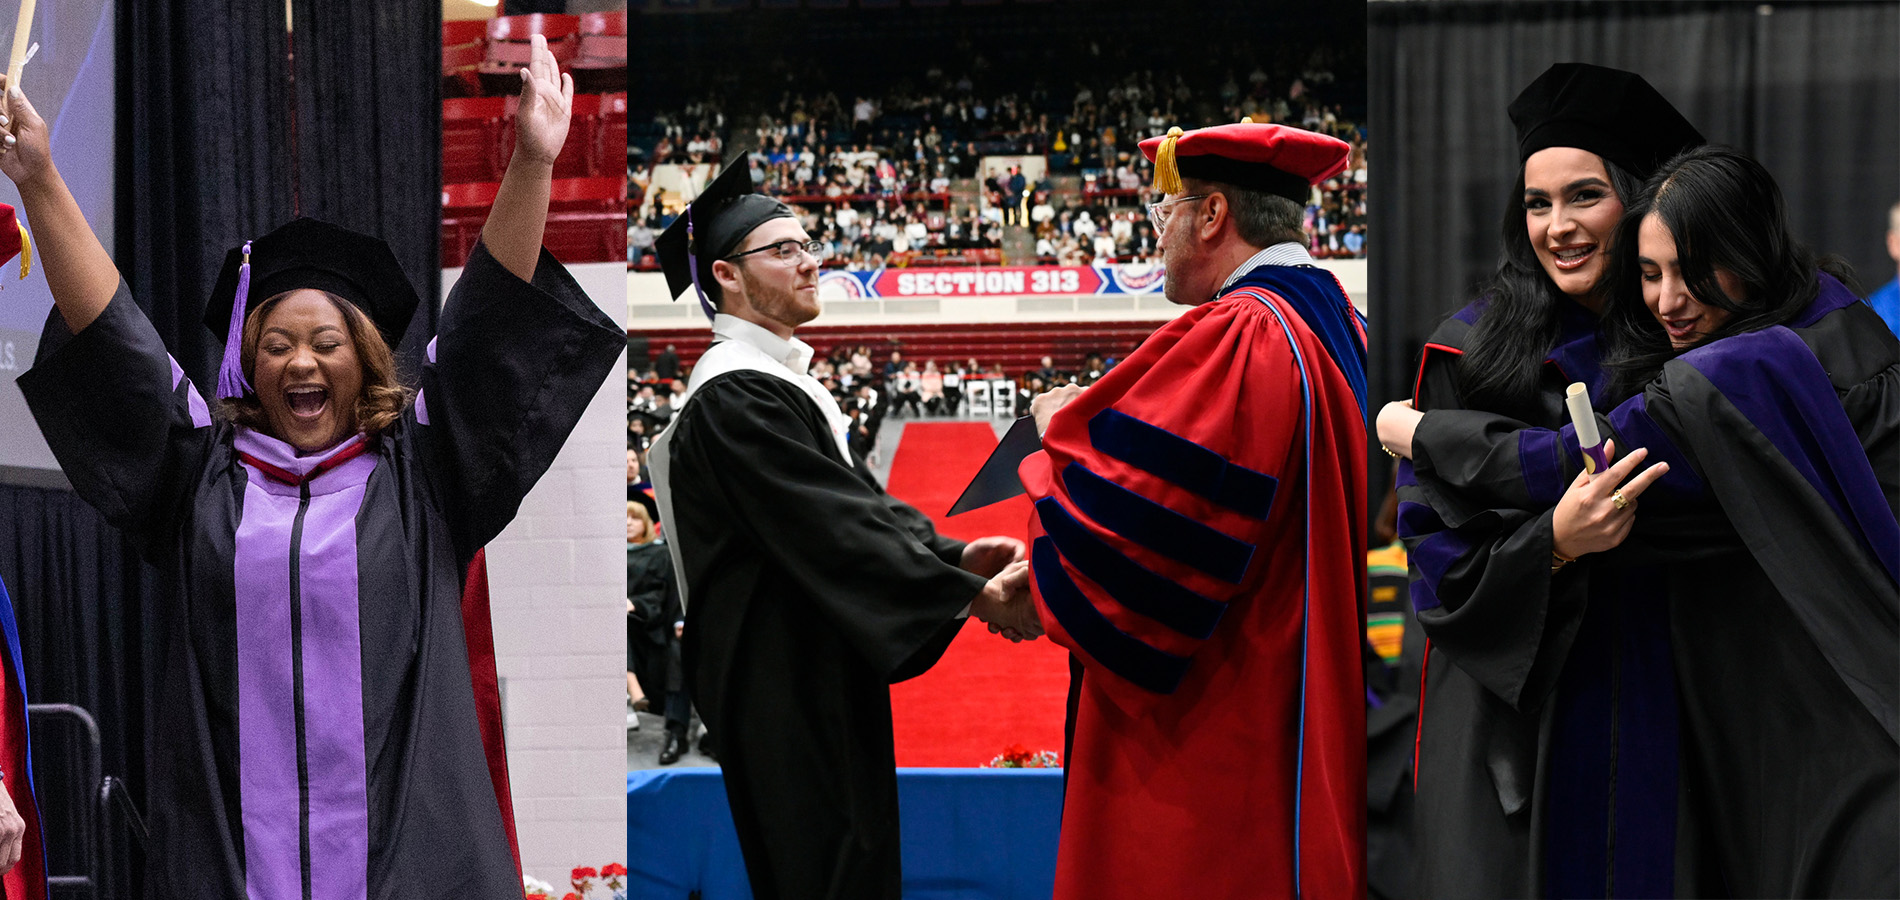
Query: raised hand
x=547 y=100
x=24 y=151
x=1596 y=514
x=987 y=556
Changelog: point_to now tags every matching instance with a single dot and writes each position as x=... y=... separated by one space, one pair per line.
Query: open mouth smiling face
x=308 y=377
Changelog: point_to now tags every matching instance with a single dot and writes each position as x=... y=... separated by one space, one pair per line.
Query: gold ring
x=1618 y=500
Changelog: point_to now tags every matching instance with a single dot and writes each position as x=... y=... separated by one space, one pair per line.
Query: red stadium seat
x=600 y=66
x=611 y=158
x=578 y=156
x=587 y=220
x=471 y=138
x=463 y=46
x=508 y=47
x=464 y=211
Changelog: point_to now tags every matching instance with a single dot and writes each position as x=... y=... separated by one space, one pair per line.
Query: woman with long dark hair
x=1529 y=743
x=1772 y=538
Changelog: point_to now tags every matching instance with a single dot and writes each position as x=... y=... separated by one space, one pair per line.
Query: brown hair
x=383 y=397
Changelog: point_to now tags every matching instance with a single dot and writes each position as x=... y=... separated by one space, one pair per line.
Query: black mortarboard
x=303 y=254
x=712 y=225
x=1609 y=112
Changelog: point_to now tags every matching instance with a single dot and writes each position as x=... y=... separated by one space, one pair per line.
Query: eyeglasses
x=786 y=251
x=1160 y=219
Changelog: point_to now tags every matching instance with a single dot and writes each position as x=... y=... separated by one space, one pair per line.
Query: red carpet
x=986 y=693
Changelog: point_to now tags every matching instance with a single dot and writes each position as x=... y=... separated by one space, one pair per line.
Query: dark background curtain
x=1812 y=90
x=223 y=135
x=369 y=131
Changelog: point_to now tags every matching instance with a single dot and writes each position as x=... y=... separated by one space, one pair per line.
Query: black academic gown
x=1547 y=722
x=317 y=733
x=809 y=592
x=1775 y=547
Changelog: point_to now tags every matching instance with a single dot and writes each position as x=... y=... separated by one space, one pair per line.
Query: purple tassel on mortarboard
x=232 y=385
x=692 y=266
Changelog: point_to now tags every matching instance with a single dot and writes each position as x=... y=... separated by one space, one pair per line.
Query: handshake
x=1004 y=603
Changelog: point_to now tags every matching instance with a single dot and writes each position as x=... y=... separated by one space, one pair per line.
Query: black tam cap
x=1609 y=112
x=307 y=254
x=716 y=221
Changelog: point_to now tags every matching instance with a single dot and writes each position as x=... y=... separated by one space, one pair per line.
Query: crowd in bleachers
x=879 y=178
x=867 y=389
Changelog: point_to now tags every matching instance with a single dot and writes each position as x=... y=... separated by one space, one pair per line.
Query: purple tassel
x=232 y=385
x=692 y=265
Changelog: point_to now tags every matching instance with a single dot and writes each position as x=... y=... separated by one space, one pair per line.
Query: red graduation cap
x=14 y=241
x=1274 y=159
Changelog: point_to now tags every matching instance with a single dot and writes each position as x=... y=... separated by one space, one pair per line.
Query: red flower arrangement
x=1017 y=756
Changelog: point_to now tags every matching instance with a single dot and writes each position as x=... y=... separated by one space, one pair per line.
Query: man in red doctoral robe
x=1198 y=542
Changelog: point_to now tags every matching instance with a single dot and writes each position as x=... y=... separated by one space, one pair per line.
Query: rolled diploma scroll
x=22 y=29
x=1588 y=439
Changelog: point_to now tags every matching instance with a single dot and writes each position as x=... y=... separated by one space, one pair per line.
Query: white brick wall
x=558 y=585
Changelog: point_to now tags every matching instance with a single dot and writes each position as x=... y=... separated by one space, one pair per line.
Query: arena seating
x=508 y=41
x=587 y=214
x=586 y=219
x=600 y=65
x=1019 y=346
x=463 y=44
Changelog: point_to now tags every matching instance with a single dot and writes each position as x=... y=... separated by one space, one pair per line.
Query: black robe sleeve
x=873 y=567
x=1753 y=425
x=512 y=367
x=1481 y=583
x=130 y=431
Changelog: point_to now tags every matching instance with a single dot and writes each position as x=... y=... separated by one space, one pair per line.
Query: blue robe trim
x=1358 y=371
x=1833 y=295
x=1183 y=462
x=1141 y=664
x=1314 y=295
x=1156 y=527
x=1577 y=355
x=1774 y=380
x=1434 y=556
x=1635 y=428
x=1128 y=582
x=1613 y=763
x=1540 y=456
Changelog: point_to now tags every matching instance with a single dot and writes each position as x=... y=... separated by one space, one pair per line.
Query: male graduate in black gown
x=808 y=590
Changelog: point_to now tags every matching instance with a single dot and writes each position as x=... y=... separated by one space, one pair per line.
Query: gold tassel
x=1246 y=120
x=26 y=253
x=1167 y=175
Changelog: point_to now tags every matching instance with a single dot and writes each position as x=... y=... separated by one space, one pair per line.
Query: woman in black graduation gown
x=1545 y=716
x=317 y=736
x=1774 y=396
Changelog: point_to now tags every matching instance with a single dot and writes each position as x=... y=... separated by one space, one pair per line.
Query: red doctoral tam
x=1275 y=159
x=14 y=240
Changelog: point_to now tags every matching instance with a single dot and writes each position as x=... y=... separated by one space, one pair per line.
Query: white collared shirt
x=746 y=345
x=1285 y=253
x=793 y=353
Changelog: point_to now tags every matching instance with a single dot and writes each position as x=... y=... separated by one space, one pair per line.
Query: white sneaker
x=633 y=718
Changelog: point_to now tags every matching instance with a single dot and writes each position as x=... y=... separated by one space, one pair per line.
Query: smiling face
x=1667 y=293
x=307 y=374
x=776 y=294
x=1570 y=213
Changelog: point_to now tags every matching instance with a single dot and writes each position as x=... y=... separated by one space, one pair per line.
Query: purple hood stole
x=303 y=781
